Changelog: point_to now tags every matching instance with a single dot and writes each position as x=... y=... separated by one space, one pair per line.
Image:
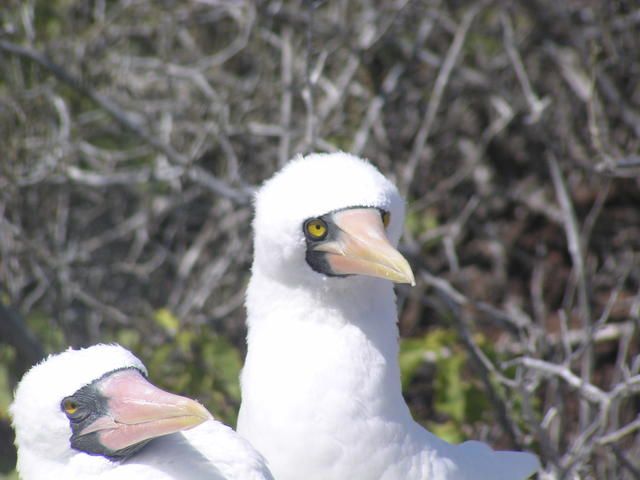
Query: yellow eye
x=70 y=406
x=316 y=229
x=386 y=218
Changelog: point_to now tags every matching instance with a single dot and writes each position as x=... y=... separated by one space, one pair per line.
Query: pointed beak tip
x=206 y=414
x=197 y=412
x=412 y=279
x=407 y=277
x=403 y=270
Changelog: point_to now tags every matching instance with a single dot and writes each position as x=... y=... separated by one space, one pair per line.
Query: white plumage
x=321 y=383
x=211 y=450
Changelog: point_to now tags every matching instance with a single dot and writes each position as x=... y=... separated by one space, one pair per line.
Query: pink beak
x=138 y=411
x=362 y=247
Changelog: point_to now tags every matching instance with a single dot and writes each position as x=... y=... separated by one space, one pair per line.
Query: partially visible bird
x=92 y=414
x=321 y=383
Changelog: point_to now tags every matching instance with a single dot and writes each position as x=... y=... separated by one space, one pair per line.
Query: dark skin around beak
x=361 y=247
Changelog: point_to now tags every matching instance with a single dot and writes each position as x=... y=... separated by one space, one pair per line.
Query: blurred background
x=134 y=132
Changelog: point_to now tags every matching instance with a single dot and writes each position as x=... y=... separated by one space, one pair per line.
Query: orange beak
x=362 y=247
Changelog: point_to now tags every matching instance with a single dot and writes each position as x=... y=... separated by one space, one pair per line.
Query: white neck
x=297 y=346
x=276 y=311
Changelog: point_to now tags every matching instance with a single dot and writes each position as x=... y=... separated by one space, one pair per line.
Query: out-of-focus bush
x=133 y=134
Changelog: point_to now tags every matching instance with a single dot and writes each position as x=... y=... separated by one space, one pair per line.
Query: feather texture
x=321 y=383
x=209 y=451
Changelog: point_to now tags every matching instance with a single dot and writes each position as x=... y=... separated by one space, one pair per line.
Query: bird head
x=329 y=217
x=96 y=401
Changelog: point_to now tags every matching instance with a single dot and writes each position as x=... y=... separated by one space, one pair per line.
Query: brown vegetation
x=135 y=131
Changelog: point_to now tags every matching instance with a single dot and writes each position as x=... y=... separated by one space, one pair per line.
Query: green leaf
x=167 y=320
x=224 y=360
x=449 y=431
x=5 y=391
x=420 y=222
x=450 y=389
x=435 y=344
x=128 y=338
x=51 y=335
x=412 y=352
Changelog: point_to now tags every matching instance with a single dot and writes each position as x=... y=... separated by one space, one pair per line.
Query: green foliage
x=166 y=319
x=476 y=409
x=191 y=360
x=223 y=358
x=413 y=352
x=420 y=222
x=45 y=329
x=128 y=338
x=9 y=476
x=6 y=358
x=49 y=17
x=456 y=397
x=451 y=389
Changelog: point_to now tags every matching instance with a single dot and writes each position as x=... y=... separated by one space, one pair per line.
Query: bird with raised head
x=321 y=392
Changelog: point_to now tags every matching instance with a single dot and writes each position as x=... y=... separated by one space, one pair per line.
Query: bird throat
x=327 y=354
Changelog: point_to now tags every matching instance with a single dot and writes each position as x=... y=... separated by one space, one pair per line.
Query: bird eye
x=315 y=229
x=70 y=406
x=386 y=218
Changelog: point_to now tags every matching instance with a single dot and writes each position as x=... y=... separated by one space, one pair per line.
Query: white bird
x=92 y=414
x=321 y=382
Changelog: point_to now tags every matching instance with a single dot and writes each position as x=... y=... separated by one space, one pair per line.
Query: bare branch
x=127 y=120
x=441 y=82
x=590 y=392
x=287 y=98
x=536 y=106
